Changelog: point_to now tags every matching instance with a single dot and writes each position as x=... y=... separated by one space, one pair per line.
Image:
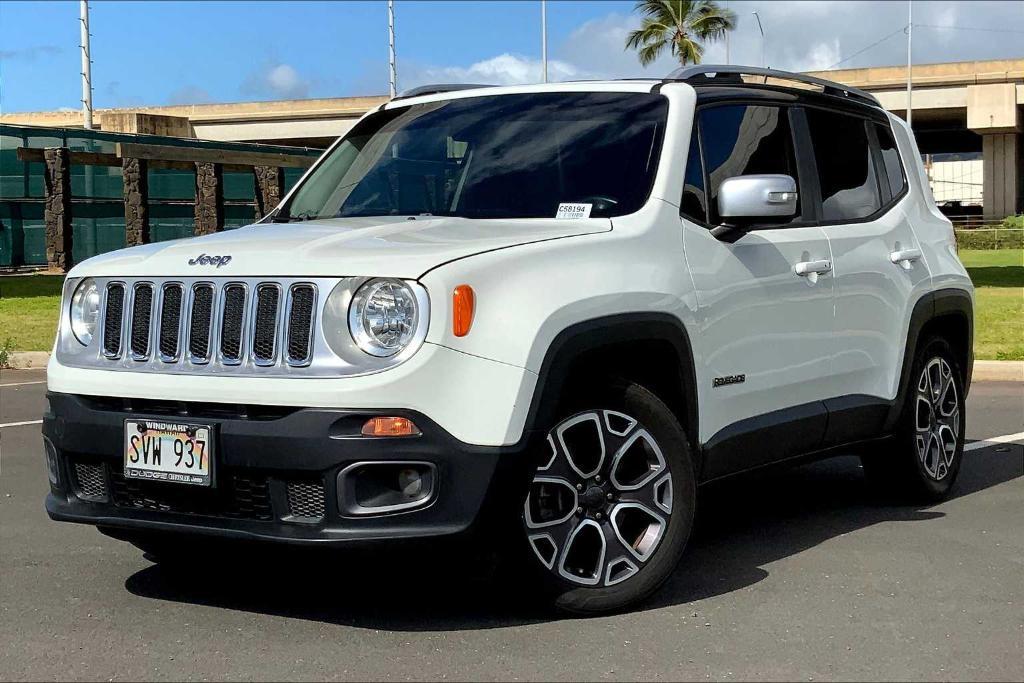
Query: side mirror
x=747 y=199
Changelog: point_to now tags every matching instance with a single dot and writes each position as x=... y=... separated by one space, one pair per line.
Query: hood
x=379 y=246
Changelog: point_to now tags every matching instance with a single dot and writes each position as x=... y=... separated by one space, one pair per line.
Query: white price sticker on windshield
x=573 y=210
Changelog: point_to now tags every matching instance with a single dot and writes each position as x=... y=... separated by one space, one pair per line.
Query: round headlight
x=383 y=317
x=85 y=311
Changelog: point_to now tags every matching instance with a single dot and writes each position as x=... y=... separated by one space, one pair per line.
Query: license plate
x=168 y=451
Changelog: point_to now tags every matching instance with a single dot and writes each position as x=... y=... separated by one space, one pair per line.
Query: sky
x=154 y=53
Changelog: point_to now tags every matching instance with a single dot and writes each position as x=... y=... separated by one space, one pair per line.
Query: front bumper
x=262 y=457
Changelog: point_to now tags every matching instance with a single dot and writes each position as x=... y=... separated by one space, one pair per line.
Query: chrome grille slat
x=232 y=321
x=299 y=335
x=113 y=320
x=142 y=317
x=200 y=323
x=170 y=322
x=264 y=333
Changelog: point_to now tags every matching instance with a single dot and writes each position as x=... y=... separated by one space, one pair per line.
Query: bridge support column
x=992 y=112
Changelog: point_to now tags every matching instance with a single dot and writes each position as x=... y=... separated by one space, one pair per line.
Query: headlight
x=383 y=317
x=85 y=311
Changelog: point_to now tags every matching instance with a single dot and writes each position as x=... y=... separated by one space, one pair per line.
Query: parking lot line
x=1006 y=438
x=22 y=384
x=22 y=424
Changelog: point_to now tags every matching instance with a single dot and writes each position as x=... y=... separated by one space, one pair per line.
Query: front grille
x=90 y=481
x=113 y=320
x=170 y=322
x=142 y=314
x=239 y=325
x=265 y=329
x=199 y=325
x=306 y=499
x=190 y=409
x=236 y=496
x=300 y=324
x=231 y=323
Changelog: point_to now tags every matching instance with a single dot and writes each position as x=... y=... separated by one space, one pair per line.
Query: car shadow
x=744 y=524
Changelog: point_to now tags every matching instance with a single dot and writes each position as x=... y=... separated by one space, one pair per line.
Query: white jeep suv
x=555 y=310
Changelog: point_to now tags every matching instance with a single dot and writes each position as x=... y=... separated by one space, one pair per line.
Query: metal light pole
x=544 y=39
x=727 y=38
x=758 y=17
x=86 y=67
x=910 y=60
x=393 y=75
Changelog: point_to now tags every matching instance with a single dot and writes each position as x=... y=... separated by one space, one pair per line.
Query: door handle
x=905 y=258
x=805 y=268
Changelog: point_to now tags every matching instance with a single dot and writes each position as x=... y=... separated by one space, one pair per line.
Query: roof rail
x=438 y=88
x=711 y=73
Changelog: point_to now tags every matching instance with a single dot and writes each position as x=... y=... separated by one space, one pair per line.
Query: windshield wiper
x=284 y=218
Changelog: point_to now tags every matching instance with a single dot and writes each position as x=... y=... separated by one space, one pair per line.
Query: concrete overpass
x=960 y=107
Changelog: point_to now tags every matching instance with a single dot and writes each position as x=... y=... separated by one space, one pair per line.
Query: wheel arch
x=948 y=313
x=650 y=348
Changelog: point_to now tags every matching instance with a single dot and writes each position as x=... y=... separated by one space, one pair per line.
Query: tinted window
x=694 y=202
x=849 y=189
x=507 y=156
x=890 y=159
x=745 y=140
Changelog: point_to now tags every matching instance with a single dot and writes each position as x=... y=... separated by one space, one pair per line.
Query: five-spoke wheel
x=937 y=418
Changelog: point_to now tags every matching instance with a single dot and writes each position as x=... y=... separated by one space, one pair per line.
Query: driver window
x=745 y=140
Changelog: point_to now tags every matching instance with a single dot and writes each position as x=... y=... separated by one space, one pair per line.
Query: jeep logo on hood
x=206 y=260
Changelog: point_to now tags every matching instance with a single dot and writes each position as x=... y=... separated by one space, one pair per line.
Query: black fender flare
x=933 y=305
x=595 y=333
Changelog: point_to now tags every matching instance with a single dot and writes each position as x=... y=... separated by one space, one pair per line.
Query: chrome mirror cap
x=757 y=196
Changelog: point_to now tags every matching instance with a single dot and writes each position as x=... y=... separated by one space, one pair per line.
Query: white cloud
x=504 y=69
x=276 y=80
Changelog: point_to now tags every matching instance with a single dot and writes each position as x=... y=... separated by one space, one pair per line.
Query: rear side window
x=890 y=160
x=694 y=204
x=846 y=172
x=745 y=140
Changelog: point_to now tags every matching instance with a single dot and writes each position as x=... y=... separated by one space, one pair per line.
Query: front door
x=765 y=318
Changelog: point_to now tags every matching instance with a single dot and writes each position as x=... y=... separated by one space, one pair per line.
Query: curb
x=998 y=371
x=28 y=360
x=984 y=370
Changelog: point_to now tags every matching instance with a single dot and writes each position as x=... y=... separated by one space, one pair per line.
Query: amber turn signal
x=463 y=302
x=390 y=426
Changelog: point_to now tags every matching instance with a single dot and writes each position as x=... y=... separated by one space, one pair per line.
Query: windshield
x=506 y=156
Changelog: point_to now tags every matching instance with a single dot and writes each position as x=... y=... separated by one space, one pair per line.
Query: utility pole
x=393 y=75
x=910 y=60
x=86 y=67
x=757 y=16
x=544 y=39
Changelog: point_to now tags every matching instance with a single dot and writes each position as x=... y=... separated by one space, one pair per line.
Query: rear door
x=878 y=267
x=765 y=331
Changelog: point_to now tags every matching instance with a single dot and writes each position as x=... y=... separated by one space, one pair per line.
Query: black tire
x=900 y=469
x=610 y=592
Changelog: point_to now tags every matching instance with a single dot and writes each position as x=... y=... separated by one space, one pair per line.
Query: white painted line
x=1008 y=438
x=22 y=424
x=22 y=384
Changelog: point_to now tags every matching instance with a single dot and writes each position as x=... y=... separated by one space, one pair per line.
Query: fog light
x=52 y=469
x=377 y=488
x=390 y=426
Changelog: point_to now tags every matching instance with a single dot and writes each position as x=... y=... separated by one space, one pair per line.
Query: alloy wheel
x=937 y=421
x=598 y=509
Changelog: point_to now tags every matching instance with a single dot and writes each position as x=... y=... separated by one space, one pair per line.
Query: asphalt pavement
x=799 y=574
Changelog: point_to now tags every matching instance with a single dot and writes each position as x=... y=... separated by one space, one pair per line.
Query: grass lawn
x=29 y=303
x=998 y=276
x=28 y=311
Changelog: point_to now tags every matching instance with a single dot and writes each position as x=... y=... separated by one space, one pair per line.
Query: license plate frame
x=151 y=451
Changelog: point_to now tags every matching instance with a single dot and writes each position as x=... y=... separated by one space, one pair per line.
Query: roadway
x=797 y=574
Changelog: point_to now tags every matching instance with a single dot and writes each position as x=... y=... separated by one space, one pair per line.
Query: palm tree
x=680 y=25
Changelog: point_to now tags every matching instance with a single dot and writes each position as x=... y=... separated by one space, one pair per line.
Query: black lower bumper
x=272 y=466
